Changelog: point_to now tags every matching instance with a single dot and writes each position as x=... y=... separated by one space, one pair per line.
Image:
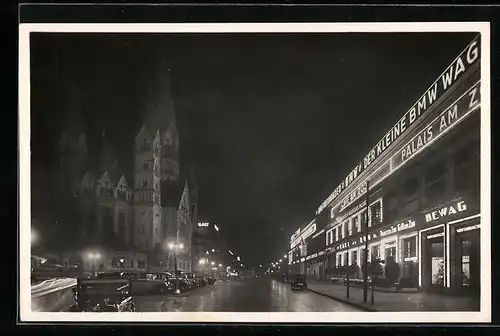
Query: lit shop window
x=375 y=214
x=465 y=251
x=354 y=257
x=410 y=248
x=356 y=223
x=390 y=250
x=375 y=252
x=329 y=237
x=362 y=219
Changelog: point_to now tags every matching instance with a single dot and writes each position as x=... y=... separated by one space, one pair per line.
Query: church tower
x=161 y=110
x=147 y=203
x=72 y=146
x=170 y=152
x=156 y=161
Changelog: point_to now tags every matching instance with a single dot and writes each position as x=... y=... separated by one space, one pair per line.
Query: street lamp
x=34 y=237
x=175 y=250
x=212 y=263
x=284 y=256
x=220 y=265
x=281 y=260
x=213 y=250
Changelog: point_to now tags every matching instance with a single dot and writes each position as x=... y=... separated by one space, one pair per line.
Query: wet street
x=253 y=295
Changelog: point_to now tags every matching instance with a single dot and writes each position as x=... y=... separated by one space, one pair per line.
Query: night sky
x=269 y=123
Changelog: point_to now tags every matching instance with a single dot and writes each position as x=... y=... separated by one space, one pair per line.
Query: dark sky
x=270 y=123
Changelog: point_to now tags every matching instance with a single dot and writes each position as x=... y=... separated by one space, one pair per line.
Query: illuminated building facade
x=423 y=199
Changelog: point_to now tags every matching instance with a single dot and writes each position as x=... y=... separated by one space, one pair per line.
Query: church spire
x=160 y=108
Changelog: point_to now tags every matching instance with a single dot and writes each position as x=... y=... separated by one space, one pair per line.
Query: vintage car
x=103 y=295
x=144 y=282
x=193 y=280
x=298 y=282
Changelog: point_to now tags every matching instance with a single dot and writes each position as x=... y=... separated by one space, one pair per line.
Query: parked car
x=143 y=282
x=298 y=282
x=191 y=278
x=211 y=281
x=158 y=283
x=103 y=295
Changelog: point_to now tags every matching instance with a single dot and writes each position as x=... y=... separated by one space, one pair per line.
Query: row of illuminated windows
x=419 y=191
x=408 y=252
x=355 y=223
x=453 y=175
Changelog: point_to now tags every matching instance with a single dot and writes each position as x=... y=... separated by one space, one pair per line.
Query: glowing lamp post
x=34 y=237
x=175 y=248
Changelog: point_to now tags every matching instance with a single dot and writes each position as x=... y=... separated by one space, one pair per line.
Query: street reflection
x=243 y=296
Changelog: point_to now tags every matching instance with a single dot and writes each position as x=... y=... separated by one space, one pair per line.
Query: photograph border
x=24 y=237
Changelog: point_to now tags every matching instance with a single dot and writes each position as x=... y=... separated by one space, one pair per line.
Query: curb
x=345 y=301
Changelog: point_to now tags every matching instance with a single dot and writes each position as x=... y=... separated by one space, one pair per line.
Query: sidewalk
x=385 y=301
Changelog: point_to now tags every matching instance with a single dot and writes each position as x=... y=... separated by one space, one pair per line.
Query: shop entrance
x=433 y=263
x=468 y=268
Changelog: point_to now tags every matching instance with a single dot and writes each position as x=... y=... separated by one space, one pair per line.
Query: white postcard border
x=26 y=315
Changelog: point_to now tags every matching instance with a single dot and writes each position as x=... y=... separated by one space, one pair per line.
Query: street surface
x=252 y=295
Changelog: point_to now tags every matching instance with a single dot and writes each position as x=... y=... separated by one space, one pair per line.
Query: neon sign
x=468 y=102
x=469 y=228
x=203 y=224
x=445 y=211
x=465 y=61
